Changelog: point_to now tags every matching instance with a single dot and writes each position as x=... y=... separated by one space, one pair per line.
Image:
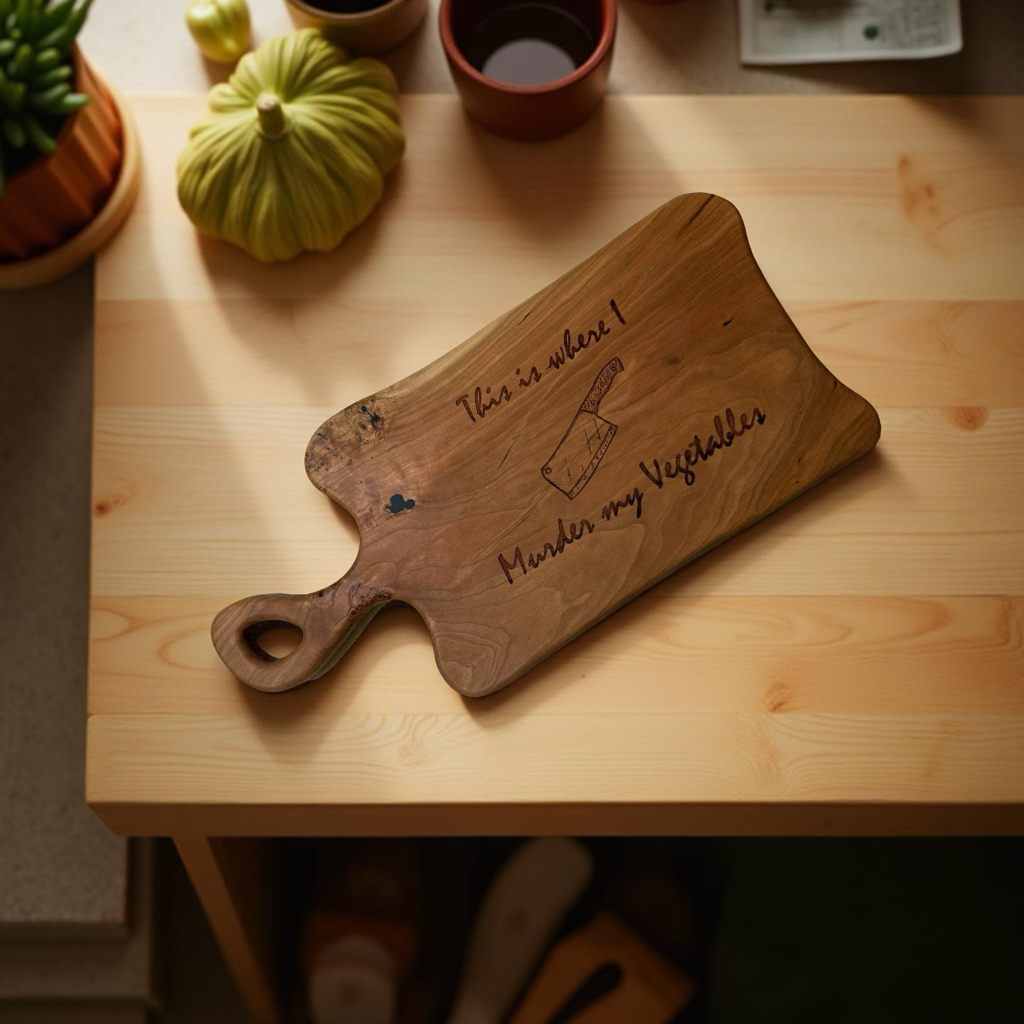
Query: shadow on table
x=534 y=204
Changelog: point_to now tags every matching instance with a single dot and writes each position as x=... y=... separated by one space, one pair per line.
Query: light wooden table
x=852 y=664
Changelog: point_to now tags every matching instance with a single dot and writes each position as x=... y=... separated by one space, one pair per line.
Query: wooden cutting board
x=641 y=409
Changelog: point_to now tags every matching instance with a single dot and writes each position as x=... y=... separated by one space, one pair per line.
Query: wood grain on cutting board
x=705 y=407
x=860 y=647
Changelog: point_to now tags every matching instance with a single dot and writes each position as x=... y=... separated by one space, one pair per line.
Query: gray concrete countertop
x=58 y=864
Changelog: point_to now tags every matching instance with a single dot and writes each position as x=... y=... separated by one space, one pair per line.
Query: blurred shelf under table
x=851 y=664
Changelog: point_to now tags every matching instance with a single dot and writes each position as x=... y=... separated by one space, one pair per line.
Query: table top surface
x=853 y=662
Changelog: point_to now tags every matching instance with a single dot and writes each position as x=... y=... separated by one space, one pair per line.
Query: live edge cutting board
x=641 y=409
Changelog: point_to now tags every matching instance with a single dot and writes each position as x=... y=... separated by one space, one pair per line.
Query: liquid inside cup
x=529 y=44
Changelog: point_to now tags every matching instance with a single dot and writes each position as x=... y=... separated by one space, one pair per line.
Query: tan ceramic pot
x=56 y=195
x=372 y=31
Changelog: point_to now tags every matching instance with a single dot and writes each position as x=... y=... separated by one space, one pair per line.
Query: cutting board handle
x=330 y=621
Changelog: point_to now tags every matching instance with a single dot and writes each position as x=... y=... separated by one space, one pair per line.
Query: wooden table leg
x=235 y=882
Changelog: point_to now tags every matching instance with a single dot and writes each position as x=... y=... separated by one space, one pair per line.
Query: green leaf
x=30 y=22
x=7 y=47
x=56 y=13
x=14 y=131
x=5 y=9
x=37 y=136
x=28 y=17
x=46 y=59
x=64 y=35
x=44 y=102
x=72 y=102
x=14 y=92
x=21 y=64
x=51 y=77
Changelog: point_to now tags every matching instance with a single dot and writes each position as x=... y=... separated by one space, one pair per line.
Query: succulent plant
x=36 y=75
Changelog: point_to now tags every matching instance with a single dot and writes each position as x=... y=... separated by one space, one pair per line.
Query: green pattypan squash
x=294 y=151
x=219 y=27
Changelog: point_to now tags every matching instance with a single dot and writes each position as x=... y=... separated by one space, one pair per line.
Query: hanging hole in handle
x=273 y=640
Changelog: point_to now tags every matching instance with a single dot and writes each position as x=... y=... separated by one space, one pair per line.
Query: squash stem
x=273 y=121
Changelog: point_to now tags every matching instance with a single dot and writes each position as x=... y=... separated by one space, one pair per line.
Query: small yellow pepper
x=219 y=27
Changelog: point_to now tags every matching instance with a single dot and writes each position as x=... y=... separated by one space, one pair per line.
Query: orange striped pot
x=52 y=198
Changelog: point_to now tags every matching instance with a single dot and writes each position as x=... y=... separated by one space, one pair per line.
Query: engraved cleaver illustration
x=580 y=451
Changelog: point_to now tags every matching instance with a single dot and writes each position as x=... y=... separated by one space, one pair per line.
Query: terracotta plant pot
x=374 y=30
x=57 y=194
x=529 y=112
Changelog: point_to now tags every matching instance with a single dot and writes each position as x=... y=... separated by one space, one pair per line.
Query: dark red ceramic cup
x=531 y=112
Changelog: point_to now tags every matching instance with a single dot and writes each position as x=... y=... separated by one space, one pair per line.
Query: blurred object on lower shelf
x=826 y=32
x=651 y=889
x=604 y=974
x=532 y=893
x=452 y=867
x=456 y=930
x=360 y=938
